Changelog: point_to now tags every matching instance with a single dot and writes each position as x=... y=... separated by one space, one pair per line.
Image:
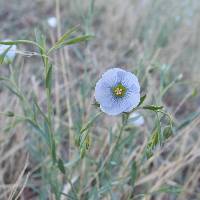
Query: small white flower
x=10 y=55
x=136 y=119
x=52 y=21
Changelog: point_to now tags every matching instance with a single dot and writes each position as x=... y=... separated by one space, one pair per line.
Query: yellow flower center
x=119 y=90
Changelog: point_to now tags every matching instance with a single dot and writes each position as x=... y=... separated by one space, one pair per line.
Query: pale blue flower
x=52 y=22
x=136 y=119
x=10 y=55
x=117 y=91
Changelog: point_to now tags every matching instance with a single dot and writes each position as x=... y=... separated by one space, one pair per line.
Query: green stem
x=49 y=113
x=113 y=149
x=49 y=108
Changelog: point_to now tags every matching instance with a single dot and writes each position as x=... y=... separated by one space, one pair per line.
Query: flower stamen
x=119 y=90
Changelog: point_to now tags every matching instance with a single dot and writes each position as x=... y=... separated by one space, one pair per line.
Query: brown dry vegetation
x=136 y=34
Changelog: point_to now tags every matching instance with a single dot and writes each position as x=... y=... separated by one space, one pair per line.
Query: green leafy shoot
x=153 y=141
x=72 y=41
x=67 y=40
x=41 y=41
x=66 y=35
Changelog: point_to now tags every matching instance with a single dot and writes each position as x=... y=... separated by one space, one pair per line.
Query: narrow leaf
x=39 y=109
x=89 y=123
x=49 y=77
x=53 y=150
x=14 y=124
x=10 y=114
x=167 y=132
x=13 y=90
x=78 y=39
x=152 y=107
x=61 y=165
x=21 y=42
x=142 y=98
x=66 y=35
x=38 y=129
x=133 y=173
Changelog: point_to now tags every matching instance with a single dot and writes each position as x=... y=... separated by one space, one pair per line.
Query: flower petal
x=112 y=76
x=136 y=119
x=133 y=99
x=131 y=81
x=116 y=108
x=103 y=93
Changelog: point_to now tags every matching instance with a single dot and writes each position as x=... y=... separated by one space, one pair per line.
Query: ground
x=156 y=39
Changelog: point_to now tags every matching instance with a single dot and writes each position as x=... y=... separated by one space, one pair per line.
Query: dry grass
x=136 y=34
